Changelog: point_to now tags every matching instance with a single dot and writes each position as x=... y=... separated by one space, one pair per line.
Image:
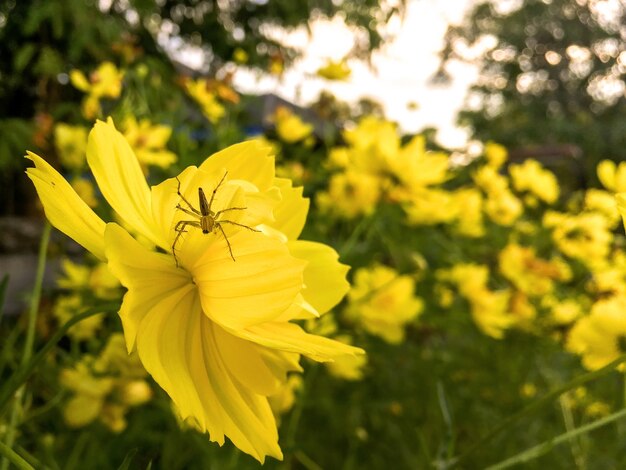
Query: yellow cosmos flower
x=598 y=337
x=529 y=273
x=495 y=154
x=148 y=141
x=84 y=188
x=585 y=236
x=374 y=144
x=105 y=387
x=503 y=208
x=565 y=312
x=490 y=309
x=347 y=367
x=214 y=332
x=350 y=194
x=283 y=400
x=612 y=176
x=383 y=302
x=104 y=82
x=332 y=70
x=469 y=204
x=290 y=127
x=489 y=180
x=530 y=176
x=66 y=307
x=603 y=203
x=200 y=90
x=416 y=167
x=70 y=143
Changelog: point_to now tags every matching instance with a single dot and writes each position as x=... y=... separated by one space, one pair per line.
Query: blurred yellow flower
x=200 y=90
x=335 y=70
x=586 y=236
x=240 y=56
x=350 y=194
x=598 y=337
x=495 y=154
x=347 y=367
x=603 y=203
x=430 y=206
x=149 y=142
x=503 y=208
x=529 y=273
x=84 y=188
x=565 y=312
x=373 y=145
x=71 y=143
x=501 y=205
x=104 y=82
x=416 y=167
x=531 y=177
x=231 y=343
x=612 y=176
x=105 y=387
x=98 y=279
x=283 y=400
x=469 y=208
x=383 y=302
x=66 y=307
x=290 y=127
x=597 y=409
x=490 y=181
x=490 y=309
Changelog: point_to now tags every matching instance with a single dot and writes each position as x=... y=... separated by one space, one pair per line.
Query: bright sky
x=400 y=74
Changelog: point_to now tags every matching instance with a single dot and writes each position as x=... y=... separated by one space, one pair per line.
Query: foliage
x=553 y=73
x=42 y=41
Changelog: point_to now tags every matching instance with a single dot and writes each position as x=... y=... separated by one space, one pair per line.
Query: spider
x=207 y=219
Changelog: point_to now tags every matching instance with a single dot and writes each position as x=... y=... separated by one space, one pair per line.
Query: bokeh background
x=462 y=157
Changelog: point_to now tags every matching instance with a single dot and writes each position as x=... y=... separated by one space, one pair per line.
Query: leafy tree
x=41 y=41
x=554 y=73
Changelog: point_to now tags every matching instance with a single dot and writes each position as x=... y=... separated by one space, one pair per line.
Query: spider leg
x=187 y=211
x=180 y=229
x=215 y=190
x=230 y=249
x=195 y=212
x=238 y=225
x=229 y=209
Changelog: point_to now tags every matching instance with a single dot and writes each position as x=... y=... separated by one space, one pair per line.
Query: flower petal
x=248 y=161
x=65 y=209
x=291 y=338
x=324 y=276
x=149 y=277
x=262 y=282
x=292 y=210
x=121 y=180
x=197 y=363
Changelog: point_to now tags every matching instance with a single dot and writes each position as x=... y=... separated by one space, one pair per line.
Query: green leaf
x=127 y=460
x=23 y=57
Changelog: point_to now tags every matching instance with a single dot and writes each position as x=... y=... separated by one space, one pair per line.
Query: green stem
x=575 y=444
x=546 y=446
x=34 y=301
x=11 y=456
x=514 y=418
x=349 y=244
x=18 y=404
x=20 y=376
x=296 y=413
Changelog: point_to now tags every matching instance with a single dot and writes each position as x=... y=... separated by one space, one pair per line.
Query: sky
x=400 y=73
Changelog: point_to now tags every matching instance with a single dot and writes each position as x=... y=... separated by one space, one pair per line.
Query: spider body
x=207 y=221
